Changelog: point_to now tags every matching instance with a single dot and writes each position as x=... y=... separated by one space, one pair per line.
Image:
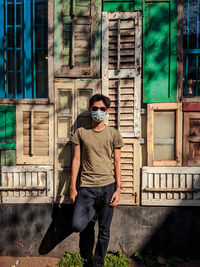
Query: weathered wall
x=166 y=230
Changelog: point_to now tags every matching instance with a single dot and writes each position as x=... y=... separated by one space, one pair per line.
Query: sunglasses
x=94 y=108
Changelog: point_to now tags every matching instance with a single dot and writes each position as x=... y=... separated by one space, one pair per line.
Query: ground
x=51 y=262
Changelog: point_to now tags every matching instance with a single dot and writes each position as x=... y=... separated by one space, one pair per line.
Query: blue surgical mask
x=98 y=115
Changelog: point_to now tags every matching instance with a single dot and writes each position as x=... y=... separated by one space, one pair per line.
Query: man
x=99 y=188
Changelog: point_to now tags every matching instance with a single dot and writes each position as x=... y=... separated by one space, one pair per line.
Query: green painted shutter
x=119 y=5
x=159 y=51
x=77 y=39
x=7 y=127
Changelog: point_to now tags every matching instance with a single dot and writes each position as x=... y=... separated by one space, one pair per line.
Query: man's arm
x=117 y=167
x=74 y=172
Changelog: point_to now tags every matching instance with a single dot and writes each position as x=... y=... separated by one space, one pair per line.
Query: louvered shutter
x=130 y=161
x=159 y=51
x=170 y=186
x=121 y=69
x=34 y=134
x=26 y=184
x=76 y=38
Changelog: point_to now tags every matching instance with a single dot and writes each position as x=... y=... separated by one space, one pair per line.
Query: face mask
x=98 y=115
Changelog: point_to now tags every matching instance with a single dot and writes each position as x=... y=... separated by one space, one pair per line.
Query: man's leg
x=105 y=214
x=84 y=209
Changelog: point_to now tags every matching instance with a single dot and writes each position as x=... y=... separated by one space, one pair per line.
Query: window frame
x=26 y=96
x=177 y=107
x=180 y=61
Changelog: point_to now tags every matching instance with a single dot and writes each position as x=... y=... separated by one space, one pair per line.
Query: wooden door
x=159 y=51
x=72 y=99
x=191 y=146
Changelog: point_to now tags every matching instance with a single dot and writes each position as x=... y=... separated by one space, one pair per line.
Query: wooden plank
x=196 y=184
x=22 y=188
x=191 y=107
x=28 y=183
x=189 y=184
x=24 y=168
x=10 y=183
x=150 y=134
x=180 y=50
x=16 y=183
x=42 y=183
x=105 y=40
x=169 y=185
x=182 y=185
x=14 y=200
x=175 y=202
x=22 y=179
x=34 y=193
x=173 y=170
x=166 y=189
x=179 y=132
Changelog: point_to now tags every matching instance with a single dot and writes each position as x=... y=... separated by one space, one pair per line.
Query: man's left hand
x=115 y=198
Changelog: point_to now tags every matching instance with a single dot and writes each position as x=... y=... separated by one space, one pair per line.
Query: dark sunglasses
x=94 y=108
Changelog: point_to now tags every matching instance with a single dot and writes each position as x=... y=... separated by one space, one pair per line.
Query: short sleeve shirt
x=96 y=155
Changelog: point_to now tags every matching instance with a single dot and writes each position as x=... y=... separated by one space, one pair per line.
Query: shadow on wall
x=178 y=235
x=61 y=227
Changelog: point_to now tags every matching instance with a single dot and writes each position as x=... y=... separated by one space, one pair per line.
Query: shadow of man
x=61 y=227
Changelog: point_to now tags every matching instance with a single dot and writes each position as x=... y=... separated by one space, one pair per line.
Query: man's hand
x=73 y=194
x=115 y=198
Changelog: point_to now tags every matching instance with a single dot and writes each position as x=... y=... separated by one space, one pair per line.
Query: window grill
x=24 y=49
x=191 y=48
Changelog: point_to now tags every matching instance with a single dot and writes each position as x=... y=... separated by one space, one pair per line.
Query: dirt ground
x=6 y=261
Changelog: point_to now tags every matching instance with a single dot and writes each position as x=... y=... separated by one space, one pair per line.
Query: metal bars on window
x=23 y=49
x=191 y=48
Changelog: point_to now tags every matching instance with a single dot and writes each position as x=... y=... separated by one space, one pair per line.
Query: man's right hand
x=73 y=194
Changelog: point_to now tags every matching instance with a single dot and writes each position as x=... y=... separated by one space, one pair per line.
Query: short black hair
x=99 y=97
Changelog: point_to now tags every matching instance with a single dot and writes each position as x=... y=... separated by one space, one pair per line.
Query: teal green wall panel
x=8 y=158
x=116 y=5
x=159 y=51
x=7 y=127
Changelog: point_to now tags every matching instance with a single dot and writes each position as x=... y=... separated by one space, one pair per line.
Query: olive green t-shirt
x=96 y=155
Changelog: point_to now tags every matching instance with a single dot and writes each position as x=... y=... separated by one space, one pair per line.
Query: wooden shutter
x=26 y=184
x=159 y=51
x=7 y=127
x=176 y=159
x=171 y=186
x=191 y=146
x=77 y=38
x=72 y=99
x=128 y=5
x=34 y=134
x=130 y=160
x=121 y=69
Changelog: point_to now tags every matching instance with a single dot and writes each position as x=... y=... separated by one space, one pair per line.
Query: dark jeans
x=92 y=200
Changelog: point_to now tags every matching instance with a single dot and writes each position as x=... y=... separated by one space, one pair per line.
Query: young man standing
x=99 y=187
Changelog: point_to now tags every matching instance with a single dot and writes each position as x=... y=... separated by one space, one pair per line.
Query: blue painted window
x=191 y=48
x=23 y=48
